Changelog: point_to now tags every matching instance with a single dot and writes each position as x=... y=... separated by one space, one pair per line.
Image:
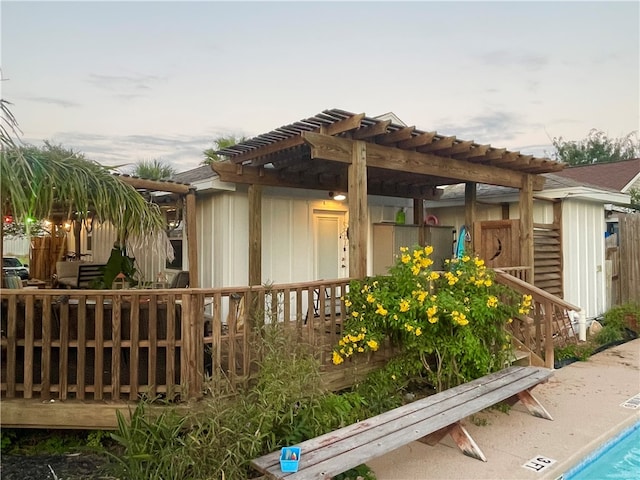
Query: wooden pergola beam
x=156 y=185
x=339 y=150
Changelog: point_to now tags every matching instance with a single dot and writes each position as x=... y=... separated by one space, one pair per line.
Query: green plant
x=361 y=472
x=622 y=316
x=7 y=438
x=479 y=422
x=449 y=326
x=580 y=351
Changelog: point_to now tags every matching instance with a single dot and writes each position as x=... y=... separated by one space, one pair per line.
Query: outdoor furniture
x=78 y=274
x=427 y=420
x=180 y=280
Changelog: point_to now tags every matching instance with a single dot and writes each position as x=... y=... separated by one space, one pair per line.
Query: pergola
x=175 y=190
x=343 y=151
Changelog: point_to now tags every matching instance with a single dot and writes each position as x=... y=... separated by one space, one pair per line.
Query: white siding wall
x=583 y=229
x=15 y=246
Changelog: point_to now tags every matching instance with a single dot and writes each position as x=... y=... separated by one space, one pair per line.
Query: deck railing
x=549 y=323
x=118 y=344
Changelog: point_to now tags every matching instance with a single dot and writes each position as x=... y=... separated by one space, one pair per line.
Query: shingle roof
x=613 y=176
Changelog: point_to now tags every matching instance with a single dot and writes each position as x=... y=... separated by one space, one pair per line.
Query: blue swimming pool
x=617 y=459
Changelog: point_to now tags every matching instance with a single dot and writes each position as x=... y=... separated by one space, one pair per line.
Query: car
x=13 y=266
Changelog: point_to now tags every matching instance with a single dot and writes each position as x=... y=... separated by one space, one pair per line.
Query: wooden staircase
x=531 y=343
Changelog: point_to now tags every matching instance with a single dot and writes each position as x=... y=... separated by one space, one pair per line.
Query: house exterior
x=578 y=209
x=623 y=177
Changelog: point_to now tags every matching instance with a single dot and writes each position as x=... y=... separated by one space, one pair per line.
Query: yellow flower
x=348 y=303
x=421 y=296
x=408 y=327
x=405 y=258
x=373 y=345
x=492 y=302
x=478 y=262
x=415 y=269
x=432 y=319
x=509 y=320
x=354 y=314
x=426 y=262
x=360 y=349
x=434 y=276
x=428 y=250
x=380 y=310
x=337 y=359
x=370 y=298
x=404 y=249
x=488 y=283
x=418 y=332
x=404 y=306
x=466 y=258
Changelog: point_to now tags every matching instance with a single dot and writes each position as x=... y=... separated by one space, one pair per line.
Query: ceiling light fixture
x=337 y=196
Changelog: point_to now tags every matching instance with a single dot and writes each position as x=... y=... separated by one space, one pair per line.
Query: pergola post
x=358 y=211
x=192 y=239
x=255 y=234
x=470 y=201
x=526 y=223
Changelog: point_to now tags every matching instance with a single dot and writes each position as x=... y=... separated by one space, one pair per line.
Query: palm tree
x=219 y=143
x=35 y=181
x=153 y=169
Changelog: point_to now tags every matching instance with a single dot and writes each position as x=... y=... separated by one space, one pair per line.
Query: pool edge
x=561 y=468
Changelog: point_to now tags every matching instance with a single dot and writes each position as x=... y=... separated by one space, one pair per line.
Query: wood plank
x=377 y=128
x=98 y=349
x=399 y=135
x=358 y=209
x=418 y=140
x=45 y=367
x=465 y=443
x=440 y=144
x=116 y=353
x=152 y=349
x=337 y=149
x=134 y=336
x=335 y=452
x=28 y=347
x=12 y=343
x=255 y=234
x=192 y=239
x=171 y=349
x=64 y=351
x=81 y=348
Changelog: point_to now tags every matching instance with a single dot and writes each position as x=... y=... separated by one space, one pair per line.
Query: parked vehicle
x=13 y=266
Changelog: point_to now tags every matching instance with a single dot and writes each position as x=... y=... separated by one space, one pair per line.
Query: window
x=176 y=243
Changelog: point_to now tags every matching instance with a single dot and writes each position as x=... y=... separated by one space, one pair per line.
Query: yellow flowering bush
x=449 y=326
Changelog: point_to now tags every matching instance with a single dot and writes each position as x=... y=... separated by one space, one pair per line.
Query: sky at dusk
x=129 y=81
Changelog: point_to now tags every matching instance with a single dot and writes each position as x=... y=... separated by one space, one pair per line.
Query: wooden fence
x=118 y=344
x=629 y=259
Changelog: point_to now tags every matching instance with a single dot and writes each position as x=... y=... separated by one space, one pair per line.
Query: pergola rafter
x=340 y=150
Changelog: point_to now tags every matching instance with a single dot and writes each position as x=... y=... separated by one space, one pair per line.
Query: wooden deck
x=100 y=350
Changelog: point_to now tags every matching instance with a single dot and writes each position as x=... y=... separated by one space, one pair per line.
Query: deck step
x=520 y=357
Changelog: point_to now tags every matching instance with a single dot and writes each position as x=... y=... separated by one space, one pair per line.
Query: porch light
x=337 y=196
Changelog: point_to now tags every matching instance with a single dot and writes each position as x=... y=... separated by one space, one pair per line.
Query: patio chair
x=180 y=280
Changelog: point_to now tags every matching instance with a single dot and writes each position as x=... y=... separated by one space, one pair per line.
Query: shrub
x=449 y=324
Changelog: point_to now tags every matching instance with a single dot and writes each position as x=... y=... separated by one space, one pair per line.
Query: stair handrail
x=544 y=298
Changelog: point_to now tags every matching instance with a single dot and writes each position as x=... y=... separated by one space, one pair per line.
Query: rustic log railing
x=548 y=324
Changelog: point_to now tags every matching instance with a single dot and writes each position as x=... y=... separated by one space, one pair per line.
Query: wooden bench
x=428 y=420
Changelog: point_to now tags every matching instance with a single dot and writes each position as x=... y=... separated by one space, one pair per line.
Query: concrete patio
x=585 y=400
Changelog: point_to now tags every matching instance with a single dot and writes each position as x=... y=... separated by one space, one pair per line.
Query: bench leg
x=532 y=404
x=462 y=438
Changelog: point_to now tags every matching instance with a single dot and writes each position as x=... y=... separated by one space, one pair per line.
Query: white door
x=331 y=246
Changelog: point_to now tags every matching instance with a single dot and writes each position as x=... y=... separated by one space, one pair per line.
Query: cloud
x=183 y=152
x=506 y=58
x=486 y=128
x=53 y=101
x=126 y=87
